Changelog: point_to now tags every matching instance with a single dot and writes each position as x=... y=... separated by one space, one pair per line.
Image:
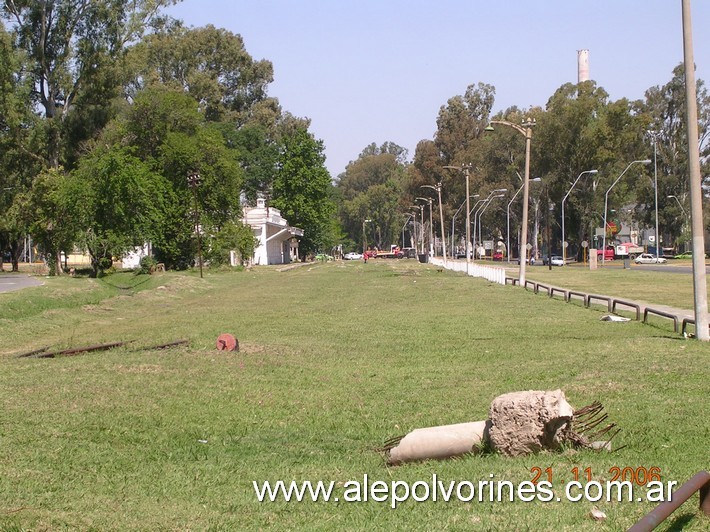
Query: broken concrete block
x=527 y=422
x=439 y=442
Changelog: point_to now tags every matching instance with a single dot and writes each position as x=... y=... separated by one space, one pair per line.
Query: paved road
x=16 y=281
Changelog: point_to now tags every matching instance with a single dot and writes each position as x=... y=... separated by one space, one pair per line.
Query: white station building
x=278 y=242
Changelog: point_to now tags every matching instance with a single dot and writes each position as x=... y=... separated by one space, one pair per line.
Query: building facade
x=277 y=241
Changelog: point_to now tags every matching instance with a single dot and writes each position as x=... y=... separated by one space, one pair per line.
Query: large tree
x=74 y=46
x=372 y=188
x=117 y=204
x=664 y=109
x=302 y=191
x=210 y=64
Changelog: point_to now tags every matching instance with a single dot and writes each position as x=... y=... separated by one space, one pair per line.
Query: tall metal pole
x=507 y=232
x=431 y=228
x=526 y=199
x=606 y=202
x=696 y=194
x=480 y=213
x=655 y=190
x=525 y=129
x=564 y=249
x=193 y=180
x=468 y=217
x=421 y=225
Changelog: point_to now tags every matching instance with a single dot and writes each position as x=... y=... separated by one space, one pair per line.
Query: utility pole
x=696 y=194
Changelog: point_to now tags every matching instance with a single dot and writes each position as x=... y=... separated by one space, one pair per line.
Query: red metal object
x=227 y=342
x=700 y=482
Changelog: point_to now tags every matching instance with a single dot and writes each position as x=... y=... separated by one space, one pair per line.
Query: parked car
x=647 y=258
x=323 y=257
x=498 y=255
x=556 y=260
x=353 y=256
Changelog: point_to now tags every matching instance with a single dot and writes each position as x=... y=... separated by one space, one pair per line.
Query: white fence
x=495 y=274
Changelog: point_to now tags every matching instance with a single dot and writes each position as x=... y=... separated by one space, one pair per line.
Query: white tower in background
x=582 y=65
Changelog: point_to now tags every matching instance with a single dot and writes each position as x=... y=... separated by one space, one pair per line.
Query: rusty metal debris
x=79 y=350
x=168 y=345
x=42 y=352
x=33 y=352
x=586 y=422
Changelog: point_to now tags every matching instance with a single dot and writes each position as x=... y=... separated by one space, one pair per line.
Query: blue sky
x=379 y=70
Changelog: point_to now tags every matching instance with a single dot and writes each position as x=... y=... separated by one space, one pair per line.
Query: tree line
x=579 y=129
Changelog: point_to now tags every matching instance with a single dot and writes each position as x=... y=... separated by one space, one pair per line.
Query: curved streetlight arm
x=564 y=249
x=521 y=129
x=526 y=129
x=482 y=210
x=679 y=204
x=606 y=201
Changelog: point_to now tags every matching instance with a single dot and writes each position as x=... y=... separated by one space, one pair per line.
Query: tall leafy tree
x=69 y=42
x=210 y=64
x=664 y=109
x=372 y=188
x=118 y=204
x=165 y=128
x=301 y=190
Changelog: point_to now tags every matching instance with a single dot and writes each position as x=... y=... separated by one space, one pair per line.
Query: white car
x=556 y=261
x=353 y=256
x=647 y=258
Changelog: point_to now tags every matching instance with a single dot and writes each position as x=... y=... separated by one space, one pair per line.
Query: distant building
x=278 y=242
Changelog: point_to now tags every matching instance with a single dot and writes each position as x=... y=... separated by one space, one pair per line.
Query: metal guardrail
x=699 y=482
x=540 y=286
x=579 y=294
x=600 y=298
x=684 y=325
x=616 y=302
x=560 y=290
x=661 y=313
x=611 y=302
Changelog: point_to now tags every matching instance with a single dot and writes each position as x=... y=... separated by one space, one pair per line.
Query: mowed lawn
x=335 y=359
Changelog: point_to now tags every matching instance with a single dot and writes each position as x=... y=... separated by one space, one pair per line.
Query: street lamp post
x=484 y=207
x=653 y=135
x=409 y=217
x=193 y=181
x=431 y=225
x=700 y=290
x=526 y=130
x=465 y=168
x=606 y=202
x=364 y=236
x=437 y=187
x=507 y=250
x=453 y=231
x=679 y=204
x=564 y=248
x=475 y=210
x=419 y=237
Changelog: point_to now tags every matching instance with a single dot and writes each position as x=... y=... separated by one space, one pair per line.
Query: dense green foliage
x=107 y=107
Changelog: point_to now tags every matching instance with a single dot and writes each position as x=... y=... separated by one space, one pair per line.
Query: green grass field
x=335 y=359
